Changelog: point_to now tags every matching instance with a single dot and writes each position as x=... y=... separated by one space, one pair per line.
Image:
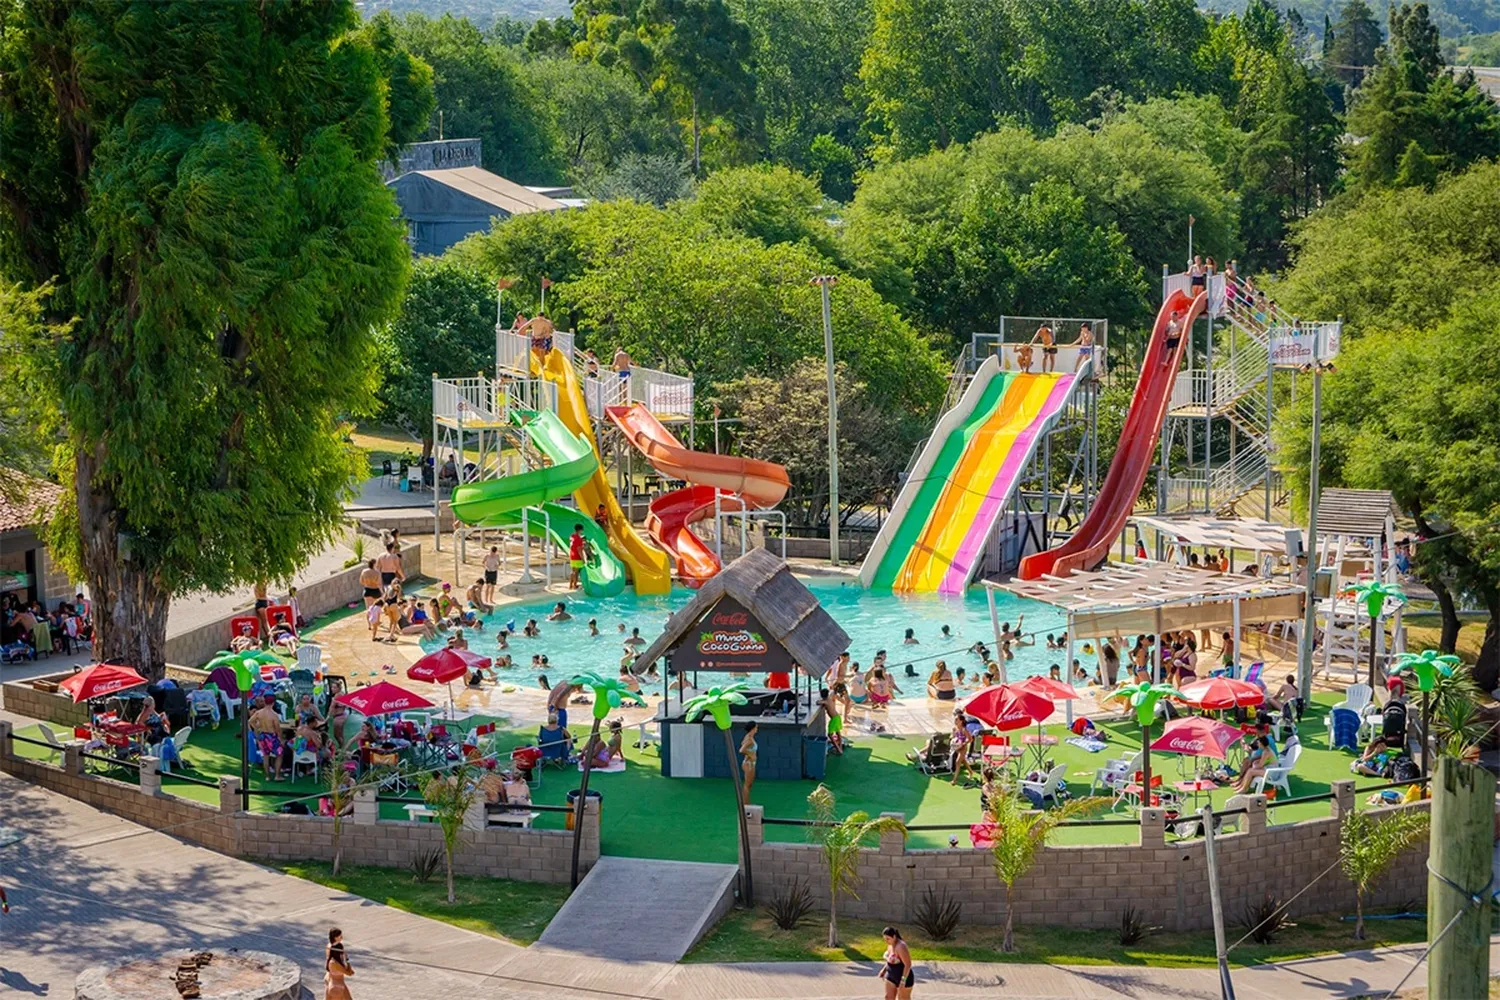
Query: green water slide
x=573 y=462
x=603 y=574
x=927 y=492
x=509 y=501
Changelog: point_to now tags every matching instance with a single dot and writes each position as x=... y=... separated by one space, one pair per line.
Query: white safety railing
x=602 y=390
x=663 y=393
x=513 y=350
x=468 y=398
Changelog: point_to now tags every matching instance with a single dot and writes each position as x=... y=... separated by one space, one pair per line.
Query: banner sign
x=728 y=637
x=1297 y=347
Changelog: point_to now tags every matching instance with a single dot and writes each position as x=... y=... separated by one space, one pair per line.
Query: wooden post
x=1463 y=832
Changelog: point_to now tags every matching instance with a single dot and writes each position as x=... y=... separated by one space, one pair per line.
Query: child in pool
x=911 y=639
x=593 y=626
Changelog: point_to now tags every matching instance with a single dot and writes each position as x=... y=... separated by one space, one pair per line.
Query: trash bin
x=814 y=757
x=595 y=797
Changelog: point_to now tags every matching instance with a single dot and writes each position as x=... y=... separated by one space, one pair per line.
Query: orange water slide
x=722 y=482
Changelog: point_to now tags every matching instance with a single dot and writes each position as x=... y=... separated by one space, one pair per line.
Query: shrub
x=1265 y=919
x=790 y=904
x=1133 y=926
x=426 y=864
x=938 y=916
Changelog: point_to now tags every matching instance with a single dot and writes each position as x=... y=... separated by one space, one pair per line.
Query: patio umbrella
x=1197 y=736
x=1007 y=706
x=446 y=665
x=1045 y=687
x=100 y=679
x=1222 y=692
x=382 y=698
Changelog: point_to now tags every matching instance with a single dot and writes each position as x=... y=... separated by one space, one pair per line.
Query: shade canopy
x=382 y=699
x=1222 y=692
x=99 y=680
x=446 y=665
x=1007 y=706
x=1198 y=737
x=1048 y=688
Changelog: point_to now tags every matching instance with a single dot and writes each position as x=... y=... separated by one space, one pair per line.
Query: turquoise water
x=874 y=621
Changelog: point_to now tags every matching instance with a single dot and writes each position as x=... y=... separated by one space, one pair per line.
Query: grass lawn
x=514 y=911
x=647 y=815
x=751 y=936
x=382 y=442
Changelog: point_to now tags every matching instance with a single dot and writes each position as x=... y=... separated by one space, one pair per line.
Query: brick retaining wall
x=1089 y=886
x=496 y=852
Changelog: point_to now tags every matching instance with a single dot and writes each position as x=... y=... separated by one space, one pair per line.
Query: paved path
x=85 y=886
x=678 y=902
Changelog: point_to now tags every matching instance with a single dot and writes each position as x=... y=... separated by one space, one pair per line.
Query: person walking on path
x=369 y=578
x=336 y=968
x=897 y=970
x=491 y=573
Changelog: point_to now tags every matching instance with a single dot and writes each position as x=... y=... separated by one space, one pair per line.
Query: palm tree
x=609 y=694
x=716 y=701
x=1427 y=667
x=1368 y=846
x=1143 y=698
x=1373 y=595
x=1020 y=833
x=841 y=841
x=449 y=796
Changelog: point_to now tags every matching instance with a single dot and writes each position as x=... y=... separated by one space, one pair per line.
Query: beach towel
x=1083 y=742
x=615 y=767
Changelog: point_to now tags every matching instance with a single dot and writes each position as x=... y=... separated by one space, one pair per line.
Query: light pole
x=1309 y=611
x=825 y=282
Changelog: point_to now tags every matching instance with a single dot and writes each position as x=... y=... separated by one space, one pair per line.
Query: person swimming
x=911 y=639
x=635 y=638
x=946 y=633
x=593 y=626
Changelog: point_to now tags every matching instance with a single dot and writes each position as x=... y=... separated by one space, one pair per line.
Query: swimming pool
x=874 y=621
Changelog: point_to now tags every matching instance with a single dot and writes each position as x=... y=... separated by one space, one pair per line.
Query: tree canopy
x=198 y=182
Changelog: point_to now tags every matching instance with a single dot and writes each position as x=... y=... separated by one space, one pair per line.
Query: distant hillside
x=1453 y=17
x=482 y=12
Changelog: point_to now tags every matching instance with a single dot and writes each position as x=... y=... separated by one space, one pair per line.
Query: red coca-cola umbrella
x=382 y=698
x=99 y=680
x=446 y=665
x=1048 y=688
x=1197 y=736
x=1007 y=706
x=1222 y=692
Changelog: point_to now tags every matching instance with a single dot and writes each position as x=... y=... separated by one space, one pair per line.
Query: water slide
x=1089 y=545
x=964 y=479
x=603 y=575
x=650 y=569
x=508 y=501
x=737 y=483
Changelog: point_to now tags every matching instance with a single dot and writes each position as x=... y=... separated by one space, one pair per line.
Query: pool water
x=874 y=621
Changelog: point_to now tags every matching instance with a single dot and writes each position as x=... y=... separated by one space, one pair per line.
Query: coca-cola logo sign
x=731 y=619
x=1182 y=745
x=104 y=687
x=728 y=636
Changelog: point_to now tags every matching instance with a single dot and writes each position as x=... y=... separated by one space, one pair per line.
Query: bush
x=426 y=864
x=1133 y=926
x=790 y=904
x=938 y=916
x=1265 y=919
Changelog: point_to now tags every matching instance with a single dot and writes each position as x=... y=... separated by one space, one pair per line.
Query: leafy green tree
x=1349 y=50
x=1413 y=411
x=842 y=842
x=483 y=92
x=651 y=179
x=705 y=53
x=199 y=182
x=410 y=99
x=1410 y=98
x=450 y=795
x=29 y=424
x=446 y=327
x=770 y=203
x=1369 y=845
x=784 y=419
x=554 y=36
x=834 y=165
x=598 y=115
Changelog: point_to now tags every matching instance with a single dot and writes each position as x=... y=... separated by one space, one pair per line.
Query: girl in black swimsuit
x=897 y=971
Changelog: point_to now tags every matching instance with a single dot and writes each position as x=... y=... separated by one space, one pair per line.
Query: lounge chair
x=1277 y=776
x=933 y=757
x=1115 y=775
x=1050 y=786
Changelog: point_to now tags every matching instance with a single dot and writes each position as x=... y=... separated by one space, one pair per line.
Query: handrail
x=107 y=759
x=203 y=782
x=34 y=742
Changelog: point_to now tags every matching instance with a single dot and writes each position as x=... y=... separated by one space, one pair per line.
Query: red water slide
x=1089 y=545
x=738 y=483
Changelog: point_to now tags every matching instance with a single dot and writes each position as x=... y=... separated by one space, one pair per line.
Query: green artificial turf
x=502 y=908
x=647 y=815
x=751 y=936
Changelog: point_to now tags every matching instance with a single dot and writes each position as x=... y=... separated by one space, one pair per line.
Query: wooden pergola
x=1151 y=597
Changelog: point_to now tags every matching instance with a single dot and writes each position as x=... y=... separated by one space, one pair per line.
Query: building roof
x=766 y=588
x=492 y=189
x=1251 y=533
x=25 y=501
x=1356 y=513
x=1148 y=597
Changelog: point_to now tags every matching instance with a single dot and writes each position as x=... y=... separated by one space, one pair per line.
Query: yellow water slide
x=650 y=568
x=966 y=490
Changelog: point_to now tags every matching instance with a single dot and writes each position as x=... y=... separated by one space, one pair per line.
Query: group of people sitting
x=28 y=630
x=279 y=741
x=400 y=614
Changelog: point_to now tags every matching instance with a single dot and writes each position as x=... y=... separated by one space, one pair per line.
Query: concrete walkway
x=679 y=901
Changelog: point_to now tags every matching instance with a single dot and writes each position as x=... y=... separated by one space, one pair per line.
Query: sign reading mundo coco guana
x=728 y=637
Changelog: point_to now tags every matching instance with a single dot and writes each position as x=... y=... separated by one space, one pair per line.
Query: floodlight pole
x=825 y=282
x=1309 y=611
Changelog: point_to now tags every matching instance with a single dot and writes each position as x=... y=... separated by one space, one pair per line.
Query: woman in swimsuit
x=747 y=757
x=858 y=690
x=940 y=685
x=1197 y=279
x=336 y=968
x=881 y=687
x=897 y=971
x=369 y=578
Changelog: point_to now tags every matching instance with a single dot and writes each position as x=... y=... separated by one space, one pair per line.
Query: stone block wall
x=1087 y=886
x=57 y=709
x=496 y=852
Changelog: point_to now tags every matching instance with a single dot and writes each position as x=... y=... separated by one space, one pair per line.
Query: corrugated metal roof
x=766 y=587
x=492 y=189
x=1357 y=513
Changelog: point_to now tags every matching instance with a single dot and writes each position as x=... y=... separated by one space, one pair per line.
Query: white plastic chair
x=304 y=758
x=1048 y=789
x=55 y=748
x=1357 y=699
x=310 y=656
x=1115 y=774
x=179 y=740
x=1233 y=802
x=1277 y=776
